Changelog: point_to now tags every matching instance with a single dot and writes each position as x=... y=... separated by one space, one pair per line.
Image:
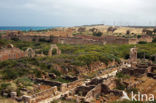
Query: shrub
x=119 y=85
x=142 y=42
x=8 y=87
x=139 y=36
x=154 y=40
x=97 y=34
x=121 y=75
x=129 y=90
x=62 y=80
x=15 y=39
x=56 y=72
x=38 y=73
x=4 y=86
x=10 y=74
x=24 y=81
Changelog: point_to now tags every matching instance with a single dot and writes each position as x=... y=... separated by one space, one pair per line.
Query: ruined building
x=78 y=39
x=11 y=52
x=54 y=46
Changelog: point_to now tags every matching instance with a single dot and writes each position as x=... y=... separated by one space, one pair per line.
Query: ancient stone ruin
x=54 y=46
x=11 y=52
x=133 y=55
x=30 y=53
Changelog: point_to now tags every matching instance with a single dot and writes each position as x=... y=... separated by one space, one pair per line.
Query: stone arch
x=30 y=53
x=54 y=46
x=10 y=46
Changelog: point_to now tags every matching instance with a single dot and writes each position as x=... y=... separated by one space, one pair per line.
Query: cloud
x=78 y=12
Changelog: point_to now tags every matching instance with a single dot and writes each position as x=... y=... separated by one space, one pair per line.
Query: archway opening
x=54 y=51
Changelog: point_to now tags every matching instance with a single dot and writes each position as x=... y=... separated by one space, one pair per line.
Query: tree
x=142 y=42
x=128 y=32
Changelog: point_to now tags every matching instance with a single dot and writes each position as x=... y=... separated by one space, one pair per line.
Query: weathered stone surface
x=83 y=90
x=13 y=95
x=92 y=94
x=133 y=54
x=63 y=87
x=27 y=99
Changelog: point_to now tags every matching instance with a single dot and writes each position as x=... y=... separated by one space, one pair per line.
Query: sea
x=26 y=28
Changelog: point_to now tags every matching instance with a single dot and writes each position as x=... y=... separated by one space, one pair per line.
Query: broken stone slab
x=5 y=94
x=27 y=99
x=13 y=95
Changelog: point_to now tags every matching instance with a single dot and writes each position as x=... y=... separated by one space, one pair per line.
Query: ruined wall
x=11 y=53
x=83 y=90
x=74 y=84
x=54 y=91
x=145 y=38
x=75 y=40
x=132 y=41
x=93 y=93
x=41 y=95
x=117 y=41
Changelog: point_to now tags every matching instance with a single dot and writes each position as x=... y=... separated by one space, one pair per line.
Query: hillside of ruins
x=84 y=64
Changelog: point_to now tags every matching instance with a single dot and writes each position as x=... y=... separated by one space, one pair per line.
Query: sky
x=77 y=12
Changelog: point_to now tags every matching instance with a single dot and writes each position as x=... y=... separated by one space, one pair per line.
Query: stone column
x=50 y=53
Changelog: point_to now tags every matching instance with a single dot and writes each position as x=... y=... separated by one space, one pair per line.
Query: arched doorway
x=54 y=46
x=30 y=53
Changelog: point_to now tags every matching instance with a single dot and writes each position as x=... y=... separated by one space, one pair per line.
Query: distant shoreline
x=25 y=28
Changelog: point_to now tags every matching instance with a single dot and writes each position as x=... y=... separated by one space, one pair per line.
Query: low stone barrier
x=74 y=84
x=41 y=95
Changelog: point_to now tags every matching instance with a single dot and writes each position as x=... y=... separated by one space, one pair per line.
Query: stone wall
x=145 y=38
x=74 y=84
x=73 y=40
x=93 y=93
x=41 y=95
x=56 y=90
x=11 y=53
x=83 y=90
